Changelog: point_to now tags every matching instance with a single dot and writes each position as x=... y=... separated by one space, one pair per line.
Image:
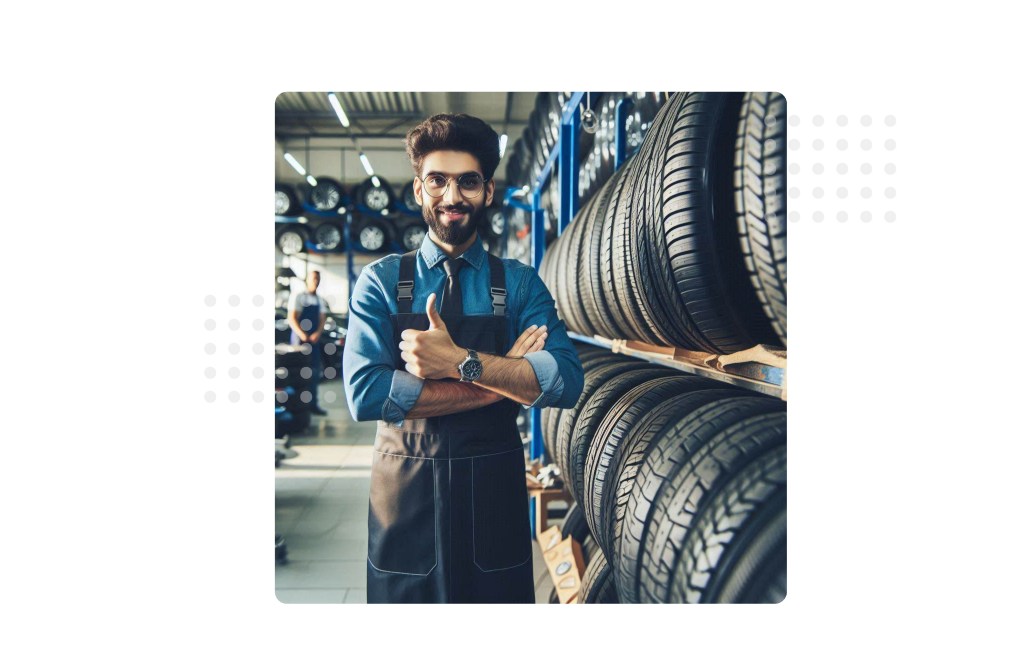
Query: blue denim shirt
x=375 y=390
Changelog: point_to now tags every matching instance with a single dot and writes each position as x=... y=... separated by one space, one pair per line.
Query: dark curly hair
x=458 y=132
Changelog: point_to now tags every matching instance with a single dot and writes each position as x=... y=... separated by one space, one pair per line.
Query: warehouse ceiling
x=385 y=117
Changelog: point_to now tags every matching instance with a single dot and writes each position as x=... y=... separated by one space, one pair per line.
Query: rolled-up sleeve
x=374 y=389
x=557 y=366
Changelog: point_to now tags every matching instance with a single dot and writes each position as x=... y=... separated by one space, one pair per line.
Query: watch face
x=471 y=369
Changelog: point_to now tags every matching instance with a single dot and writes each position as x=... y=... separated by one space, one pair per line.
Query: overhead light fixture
x=311 y=181
x=339 y=110
x=365 y=163
x=293 y=162
x=375 y=181
x=503 y=142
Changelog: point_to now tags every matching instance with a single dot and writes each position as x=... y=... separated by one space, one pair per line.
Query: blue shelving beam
x=565 y=154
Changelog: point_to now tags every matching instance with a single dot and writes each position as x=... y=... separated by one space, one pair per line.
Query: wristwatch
x=471 y=367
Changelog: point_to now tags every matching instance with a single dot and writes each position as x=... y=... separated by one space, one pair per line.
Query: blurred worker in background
x=306 y=315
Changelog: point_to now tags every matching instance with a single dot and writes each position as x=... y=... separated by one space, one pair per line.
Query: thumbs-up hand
x=436 y=322
x=431 y=354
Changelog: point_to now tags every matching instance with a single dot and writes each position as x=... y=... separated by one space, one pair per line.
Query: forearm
x=292 y=322
x=442 y=397
x=511 y=377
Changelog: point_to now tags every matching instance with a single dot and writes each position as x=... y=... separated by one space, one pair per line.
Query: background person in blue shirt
x=306 y=316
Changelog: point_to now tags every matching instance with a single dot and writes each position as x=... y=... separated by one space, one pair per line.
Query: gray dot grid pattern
x=236 y=362
x=875 y=168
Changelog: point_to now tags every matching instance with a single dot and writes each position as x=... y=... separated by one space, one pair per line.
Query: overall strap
x=497 y=284
x=406 y=282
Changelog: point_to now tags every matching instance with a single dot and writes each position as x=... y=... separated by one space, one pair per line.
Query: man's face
x=313 y=281
x=452 y=218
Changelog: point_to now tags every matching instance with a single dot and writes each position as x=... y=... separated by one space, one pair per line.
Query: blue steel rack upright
x=566 y=153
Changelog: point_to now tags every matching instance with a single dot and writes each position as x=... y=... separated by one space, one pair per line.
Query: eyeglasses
x=470 y=185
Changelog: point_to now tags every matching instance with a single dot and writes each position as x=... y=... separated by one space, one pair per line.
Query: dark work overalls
x=448 y=512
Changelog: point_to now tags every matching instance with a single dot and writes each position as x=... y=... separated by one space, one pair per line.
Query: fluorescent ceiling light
x=311 y=181
x=293 y=162
x=339 y=110
x=365 y=163
x=375 y=181
x=504 y=142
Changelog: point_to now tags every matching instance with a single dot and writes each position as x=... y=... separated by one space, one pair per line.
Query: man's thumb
x=436 y=322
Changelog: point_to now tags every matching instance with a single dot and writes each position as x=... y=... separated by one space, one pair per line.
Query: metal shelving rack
x=565 y=154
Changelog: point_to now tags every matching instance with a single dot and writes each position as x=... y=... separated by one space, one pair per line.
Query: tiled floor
x=322 y=504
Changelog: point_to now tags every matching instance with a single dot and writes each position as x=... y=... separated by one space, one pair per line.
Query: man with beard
x=448 y=511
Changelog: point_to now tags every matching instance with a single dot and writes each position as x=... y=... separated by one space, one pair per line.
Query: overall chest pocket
x=501 y=514
x=402 y=515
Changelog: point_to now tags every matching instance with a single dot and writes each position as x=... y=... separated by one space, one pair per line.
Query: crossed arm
x=510 y=376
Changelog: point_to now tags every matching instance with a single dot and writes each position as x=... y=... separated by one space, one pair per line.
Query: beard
x=457 y=233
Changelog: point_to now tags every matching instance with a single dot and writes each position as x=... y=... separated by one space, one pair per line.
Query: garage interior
x=657 y=221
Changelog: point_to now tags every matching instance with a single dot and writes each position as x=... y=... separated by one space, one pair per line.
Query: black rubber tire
x=736 y=551
x=327 y=195
x=289 y=355
x=328 y=236
x=381 y=197
x=589 y=362
x=596 y=372
x=699 y=228
x=408 y=198
x=654 y=280
x=669 y=451
x=366 y=228
x=286 y=201
x=558 y=417
x=589 y=280
x=692 y=487
x=590 y=417
x=598 y=584
x=646 y=427
x=570 y=268
x=297 y=422
x=550 y=416
x=407 y=231
x=290 y=376
x=288 y=236
x=760 y=185
x=574 y=525
x=623 y=265
x=621 y=324
x=600 y=470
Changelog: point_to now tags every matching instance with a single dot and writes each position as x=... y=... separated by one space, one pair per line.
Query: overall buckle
x=404 y=290
x=498 y=300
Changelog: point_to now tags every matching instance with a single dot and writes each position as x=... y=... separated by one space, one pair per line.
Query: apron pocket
x=501 y=515
x=402 y=515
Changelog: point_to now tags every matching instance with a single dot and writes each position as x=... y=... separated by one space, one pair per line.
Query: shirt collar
x=432 y=254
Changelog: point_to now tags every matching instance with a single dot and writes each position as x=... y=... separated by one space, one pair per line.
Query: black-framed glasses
x=470 y=185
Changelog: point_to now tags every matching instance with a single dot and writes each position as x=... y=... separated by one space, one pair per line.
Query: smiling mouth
x=453 y=216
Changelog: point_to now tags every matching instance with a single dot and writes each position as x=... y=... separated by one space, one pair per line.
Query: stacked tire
x=680 y=481
x=294 y=391
x=685 y=244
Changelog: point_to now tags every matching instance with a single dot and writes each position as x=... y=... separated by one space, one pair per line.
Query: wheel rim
x=376 y=199
x=325 y=197
x=497 y=223
x=371 y=237
x=290 y=243
x=410 y=200
x=413 y=237
x=282 y=203
x=328 y=236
